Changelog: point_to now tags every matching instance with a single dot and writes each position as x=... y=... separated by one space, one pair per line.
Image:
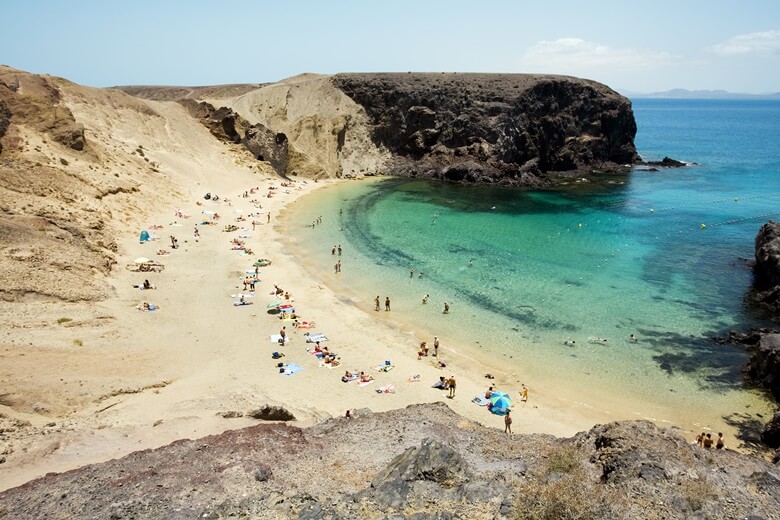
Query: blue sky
x=630 y=46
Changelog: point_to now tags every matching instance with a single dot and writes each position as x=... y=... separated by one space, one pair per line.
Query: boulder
x=432 y=461
x=764 y=365
x=767 y=267
x=770 y=435
x=271 y=413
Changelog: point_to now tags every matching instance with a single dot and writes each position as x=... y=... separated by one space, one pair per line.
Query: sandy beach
x=113 y=379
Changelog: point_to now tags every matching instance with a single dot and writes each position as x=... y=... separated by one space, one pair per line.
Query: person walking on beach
x=387 y=303
x=524 y=394
x=333 y=251
x=269 y=218
x=508 y=423
x=446 y=308
x=436 y=346
x=376 y=303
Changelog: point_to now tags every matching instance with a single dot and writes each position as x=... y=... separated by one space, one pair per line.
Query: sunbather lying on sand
x=146 y=307
x=349 y=376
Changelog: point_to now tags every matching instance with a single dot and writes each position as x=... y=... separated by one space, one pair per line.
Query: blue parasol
x=500 y=403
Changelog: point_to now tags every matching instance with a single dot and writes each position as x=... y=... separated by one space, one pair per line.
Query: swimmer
x=425 y=299
x=632 y=338
x=569 y=342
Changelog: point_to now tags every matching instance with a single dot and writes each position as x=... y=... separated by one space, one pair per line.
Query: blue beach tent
x=144 y=236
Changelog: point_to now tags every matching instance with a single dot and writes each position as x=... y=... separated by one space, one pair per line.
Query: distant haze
x=681 y=93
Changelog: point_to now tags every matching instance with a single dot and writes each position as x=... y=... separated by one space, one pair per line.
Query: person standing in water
x=446 y=308
x=387 y=303
x=425 y=299
x=376 y=303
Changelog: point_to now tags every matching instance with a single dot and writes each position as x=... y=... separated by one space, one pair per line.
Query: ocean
x=660 y=255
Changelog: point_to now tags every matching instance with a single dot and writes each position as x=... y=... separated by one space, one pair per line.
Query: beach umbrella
x=141 y=260
x=500 y=403
x=273 y=304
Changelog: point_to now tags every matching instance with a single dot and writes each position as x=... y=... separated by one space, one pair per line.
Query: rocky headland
x=514 y=129
x=422 y=462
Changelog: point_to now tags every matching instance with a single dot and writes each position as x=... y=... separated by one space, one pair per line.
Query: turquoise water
x=661 y=255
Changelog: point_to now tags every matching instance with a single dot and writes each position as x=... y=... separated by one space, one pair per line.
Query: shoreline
x=569 y=396
x=120 y=380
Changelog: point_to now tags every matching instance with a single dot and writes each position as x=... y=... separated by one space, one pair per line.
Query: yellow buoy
x=703 y=226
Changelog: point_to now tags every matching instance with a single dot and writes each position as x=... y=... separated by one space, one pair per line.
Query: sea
x=606 y=295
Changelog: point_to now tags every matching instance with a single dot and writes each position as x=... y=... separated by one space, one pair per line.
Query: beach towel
x=415 y=379
x=365 y=383
x=276 y=337
x=387 y=389
x=291 y=368
x=241 y=304
x=480 y=400
x=315 y=337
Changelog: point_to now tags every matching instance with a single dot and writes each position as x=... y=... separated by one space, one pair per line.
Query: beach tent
x=144 y=236
x=500 y=403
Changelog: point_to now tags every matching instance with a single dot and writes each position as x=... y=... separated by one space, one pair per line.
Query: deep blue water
x=661 y=255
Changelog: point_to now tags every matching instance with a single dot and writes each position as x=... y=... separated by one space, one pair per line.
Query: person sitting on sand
x=489 y=392
x=441 y=383
x=423 y=350
x=719 y=445
x=147 y=285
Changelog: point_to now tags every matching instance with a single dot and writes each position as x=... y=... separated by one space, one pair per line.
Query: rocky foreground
x=420 y=462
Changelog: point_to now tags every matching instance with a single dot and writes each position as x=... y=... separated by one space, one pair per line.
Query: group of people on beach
x=705 y=440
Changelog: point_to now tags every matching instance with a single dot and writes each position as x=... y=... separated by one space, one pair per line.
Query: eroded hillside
x=79 y=163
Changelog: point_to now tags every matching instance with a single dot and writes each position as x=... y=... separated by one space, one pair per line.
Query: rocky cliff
x=505 y=128
x=423 y=462
x=516 y=129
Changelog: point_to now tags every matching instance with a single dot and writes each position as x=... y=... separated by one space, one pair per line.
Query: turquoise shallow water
x=524 y=271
